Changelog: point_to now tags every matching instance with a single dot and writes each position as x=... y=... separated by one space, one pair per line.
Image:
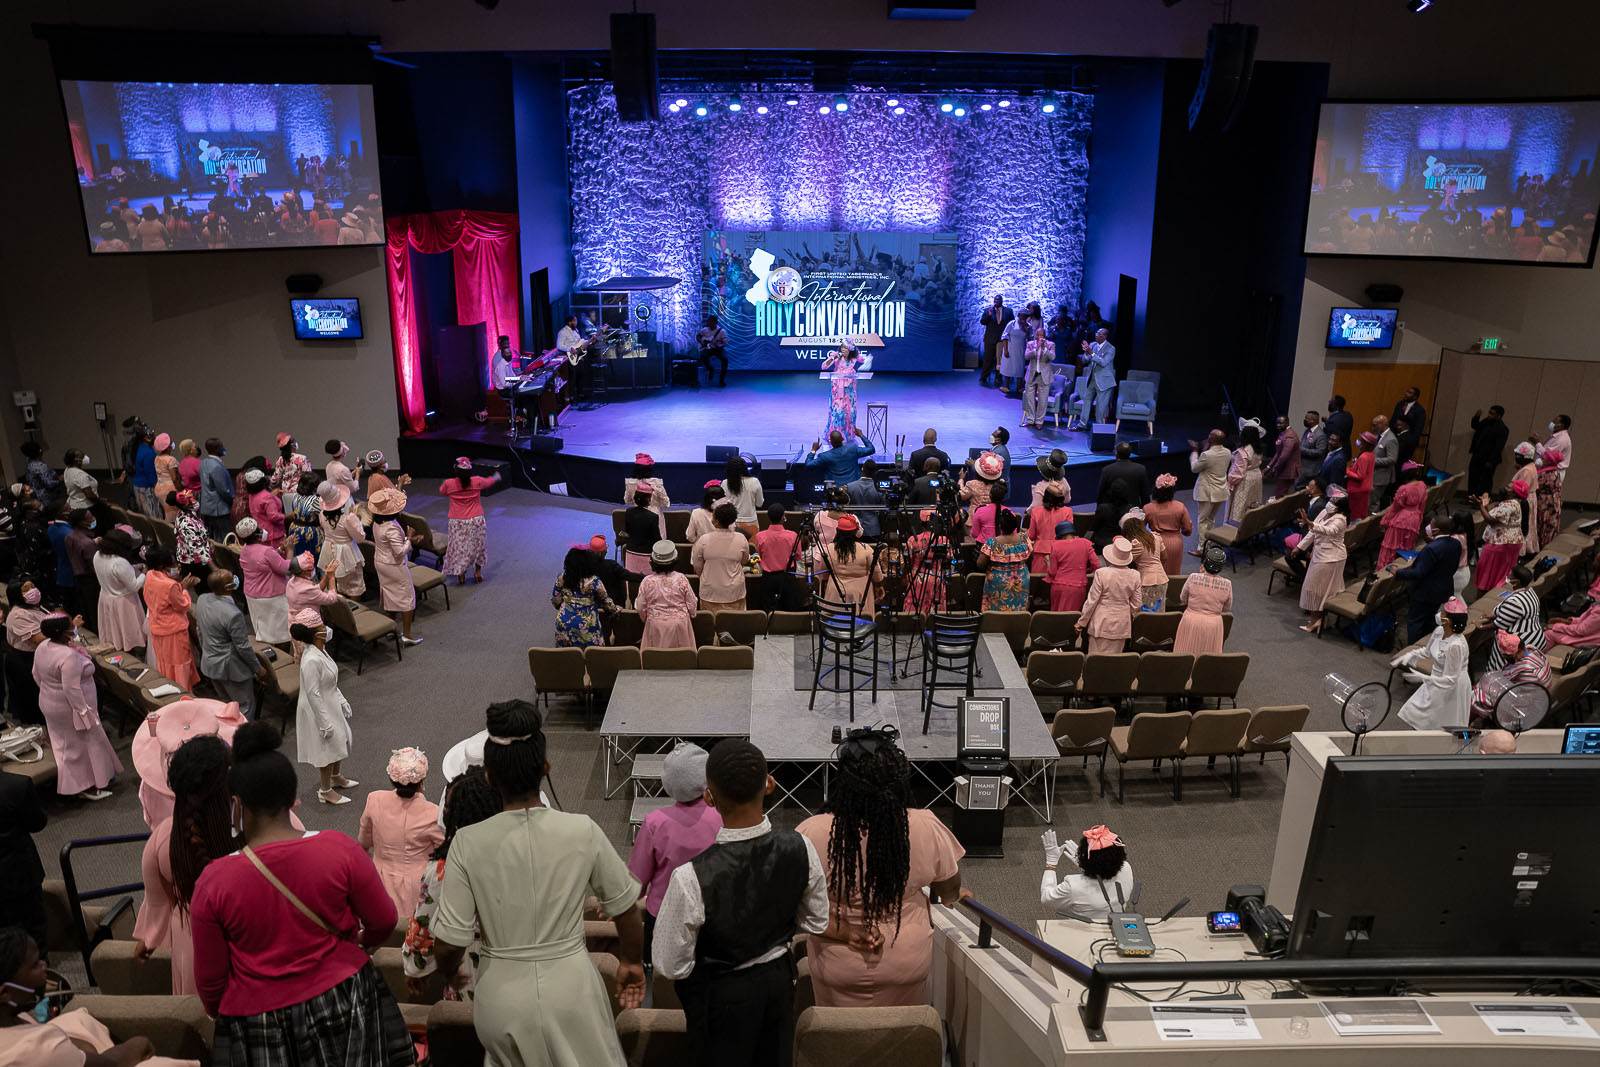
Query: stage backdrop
x=786 y=299
x=1010 y=184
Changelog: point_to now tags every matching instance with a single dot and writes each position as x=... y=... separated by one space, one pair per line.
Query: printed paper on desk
x=1210 y=1022
x=1363 y=1018
x=1534 y=1019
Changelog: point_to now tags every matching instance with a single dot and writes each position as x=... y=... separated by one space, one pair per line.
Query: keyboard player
x=502 y=369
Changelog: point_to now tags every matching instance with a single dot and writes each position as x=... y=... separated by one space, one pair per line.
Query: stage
x=774 y=416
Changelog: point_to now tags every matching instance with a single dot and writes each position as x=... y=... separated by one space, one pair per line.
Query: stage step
x=643 y=806
x=648 y=768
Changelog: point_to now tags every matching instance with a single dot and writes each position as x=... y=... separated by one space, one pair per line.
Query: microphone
x=1179 y=906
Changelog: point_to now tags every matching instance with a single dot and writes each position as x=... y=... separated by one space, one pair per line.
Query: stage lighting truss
x=953 y=107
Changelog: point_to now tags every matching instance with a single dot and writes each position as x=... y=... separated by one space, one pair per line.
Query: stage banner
x=786 y=299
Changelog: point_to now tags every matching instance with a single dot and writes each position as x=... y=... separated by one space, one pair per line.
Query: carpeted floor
x=476 y=654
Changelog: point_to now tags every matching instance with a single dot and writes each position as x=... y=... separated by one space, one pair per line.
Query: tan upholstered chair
x=119 y=972
x=1109 y=676
x=1164 y=674
x=424 y=537
x=744 y=626
x=653 y=1037
x=1082 y=732
x=1154 y=631
x=1053 y=678
x=452 y=1040
x=705 y=627
x=669 y=659
x=558 y=670
x=1053 y=631
x=867 y=1037
x=1213 y=733
x=177 y=1026
x=362 y=625
x=1013 y=625
x=789 y=622
x=1218 y=675
x=604 y=662
x=732 y=658
x=427 y=579
x=1270 y=728
x=1156 y=736
x=626 y=627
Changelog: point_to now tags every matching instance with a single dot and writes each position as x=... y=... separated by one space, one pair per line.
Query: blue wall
x=1123 y=152
x=540 y=117
x=445 y=133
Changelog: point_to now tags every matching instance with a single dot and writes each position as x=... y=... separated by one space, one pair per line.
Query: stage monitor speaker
x=541 y=323
x=303 y=284
x=1103 y=437
x=1224 y=78
x=489 y=468
x=633 y=66
x=545 y=444
x=721 y=453
x=1384 y=293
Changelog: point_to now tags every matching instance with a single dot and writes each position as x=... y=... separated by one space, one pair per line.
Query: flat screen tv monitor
x=1449 y=856
x=1502 y=182
x=193 y=166
x=1361 y=327
x=327 y=319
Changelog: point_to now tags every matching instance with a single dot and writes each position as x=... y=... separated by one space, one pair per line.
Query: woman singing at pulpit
x=844 y=364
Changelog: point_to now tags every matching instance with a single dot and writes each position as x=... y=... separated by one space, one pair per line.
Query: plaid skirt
x=357 y=1023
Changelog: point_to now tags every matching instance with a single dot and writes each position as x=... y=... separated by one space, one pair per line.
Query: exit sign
x=1490 y=344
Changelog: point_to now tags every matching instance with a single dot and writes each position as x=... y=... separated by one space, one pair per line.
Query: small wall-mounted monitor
x=327 y=318
x=1361 y=327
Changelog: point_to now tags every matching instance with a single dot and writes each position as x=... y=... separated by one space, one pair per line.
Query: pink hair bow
x=1101 y=836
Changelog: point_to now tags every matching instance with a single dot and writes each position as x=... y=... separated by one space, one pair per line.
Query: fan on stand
x=1363 y=706
x=1517 y=707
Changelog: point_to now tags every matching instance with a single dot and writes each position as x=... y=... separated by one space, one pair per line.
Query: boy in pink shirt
x=776 y=547
x=671 y=837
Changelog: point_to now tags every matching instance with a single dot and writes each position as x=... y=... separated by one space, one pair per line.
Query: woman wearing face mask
x=22 y=637
x=116 y=568
x=322 y=716
x=282 y=929
x=1444 y=691
x=74 y=1039
x=167 y=596
x=85 y=760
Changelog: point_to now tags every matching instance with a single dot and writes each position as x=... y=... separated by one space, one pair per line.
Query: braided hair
x=201 y=826
x=471 y=799
x=869 y=846
x=514 y=754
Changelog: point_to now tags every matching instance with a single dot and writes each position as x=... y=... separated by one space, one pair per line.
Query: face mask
x=86 y=462
x=32 y=597
x=93 y=523
x=327 y=633
x=236 y=817
x=1552 y=426
x=236 y=581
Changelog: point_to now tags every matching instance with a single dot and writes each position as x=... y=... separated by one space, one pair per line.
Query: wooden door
x=1371 y=389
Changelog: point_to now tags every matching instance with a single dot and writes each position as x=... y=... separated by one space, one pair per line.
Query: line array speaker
x=1225 y=77
x=633 y=66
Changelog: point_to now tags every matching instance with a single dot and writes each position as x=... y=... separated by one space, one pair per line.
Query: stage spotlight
x=1004 y=103
x=735 y=104
x=899 y=111
x=790 y=101
x=1048 y=105
x=985 y=107
x=959 y=112
x=1417 y=7
x=840 y=103
x=761 y=109
x=674 y=108
x=946 y=106
x=891 y=102
x=824 y=110
x=680 y=102
x=700 y=111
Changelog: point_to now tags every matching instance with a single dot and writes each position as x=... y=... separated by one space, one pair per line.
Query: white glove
x=1404 y=659
x=1052 y=850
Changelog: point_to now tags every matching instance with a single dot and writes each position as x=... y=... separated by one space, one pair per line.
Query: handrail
x=988 y=918
x=75 y=898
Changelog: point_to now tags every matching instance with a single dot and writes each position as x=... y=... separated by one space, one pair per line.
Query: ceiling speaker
x=301 y=284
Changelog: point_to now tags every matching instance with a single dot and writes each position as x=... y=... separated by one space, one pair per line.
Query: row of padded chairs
x=1175 y=736
x=586 y=672
x=1058 y=678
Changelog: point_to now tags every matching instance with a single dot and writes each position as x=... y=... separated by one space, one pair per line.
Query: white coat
x=1013 y=358
x=1444 y=696
x=322 y=717
x=1211 y=473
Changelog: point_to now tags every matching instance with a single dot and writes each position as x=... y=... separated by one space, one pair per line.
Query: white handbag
x=21 y=745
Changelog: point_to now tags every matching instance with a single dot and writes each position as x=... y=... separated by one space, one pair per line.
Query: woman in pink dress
x=878 y=856
x=467 y=544
x=1169 y=520
x=1042 y=519
x=397 y=593
x=1505 y=520
x=842 y=400
x=1206 y=596
x=927 y=589
x=265 y=507
x=1068 y=569
x=1528 y=476
x=1114 y=599
x=341 y=533
x=168 y=599
x=1146 y=560
x=120 y=616
x=400 y=827
x=198 y=830
x=666 y=601
x=1324 y=544
x=189 y=465
x=85 y=760
x=167 y=477
x=157 y=741
x=1403 y=518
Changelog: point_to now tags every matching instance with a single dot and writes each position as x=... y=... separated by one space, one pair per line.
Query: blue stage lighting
x=735 y=104
x=824 y=109
x=946 y=106
x=985 y=107
x=700 y=111
x=1003 y=103
x=1048 y=105
x=674 y=108
x=891 y=102
x=899 y=111
x=790 y=101
x=960 y=112
x=761 y=109
x=840 y=103
x=680 y=102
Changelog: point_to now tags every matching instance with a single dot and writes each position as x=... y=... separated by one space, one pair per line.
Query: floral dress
x=842 y=404
x=417 y=956
x=1005 y=585
x=578 y=613
x=193 y=544
x=285 y=475
x=1549 y=507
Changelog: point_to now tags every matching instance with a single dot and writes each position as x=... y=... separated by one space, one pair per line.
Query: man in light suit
x=227 y=658
x=1102 y=370
x=1210 y=468
x=1386 y=462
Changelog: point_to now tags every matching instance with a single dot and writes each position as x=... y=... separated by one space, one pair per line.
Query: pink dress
x=1170 y=522
x=400 y=832
x=897 y=974
x=1042 y=532
x=1205 y=597
x=391 y=547
x=666 y=603
x=161 y=923
x=1402 y=521
x=84 y=756
x=121 y=614
x=669 y=838
x=267 y=510
x=1114 y=599
x=1068 y=569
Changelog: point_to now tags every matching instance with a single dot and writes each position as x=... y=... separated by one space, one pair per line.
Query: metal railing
x=76 y=897
x=1099 y=979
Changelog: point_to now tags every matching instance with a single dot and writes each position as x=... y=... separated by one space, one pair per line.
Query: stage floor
x=779 y=415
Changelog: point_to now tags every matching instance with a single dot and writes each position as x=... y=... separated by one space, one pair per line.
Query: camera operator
x=864 y=491
x=925 y=490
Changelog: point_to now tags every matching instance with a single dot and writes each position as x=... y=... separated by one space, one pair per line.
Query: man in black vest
x=723 y=931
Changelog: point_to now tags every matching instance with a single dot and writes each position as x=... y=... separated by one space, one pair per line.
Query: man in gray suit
x=1386 y=462
x=1102 y=372
x=227 y=659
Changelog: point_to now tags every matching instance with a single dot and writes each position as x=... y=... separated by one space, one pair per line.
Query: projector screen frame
x=1311 y=165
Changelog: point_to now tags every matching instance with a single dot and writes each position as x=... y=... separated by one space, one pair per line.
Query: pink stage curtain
x=483 y=247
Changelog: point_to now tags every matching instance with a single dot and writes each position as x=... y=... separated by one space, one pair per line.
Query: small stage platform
x=771 y=416
x=651 y=711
